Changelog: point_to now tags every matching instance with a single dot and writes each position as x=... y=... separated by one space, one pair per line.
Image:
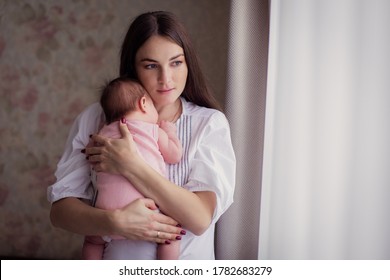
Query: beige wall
x=53 y=57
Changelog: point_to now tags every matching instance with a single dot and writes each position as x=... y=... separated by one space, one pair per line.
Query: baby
x=157 y=145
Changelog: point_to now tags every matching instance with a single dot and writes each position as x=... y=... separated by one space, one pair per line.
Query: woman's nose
x=165 y=76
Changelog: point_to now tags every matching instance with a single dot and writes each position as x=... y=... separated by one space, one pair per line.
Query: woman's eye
x=151 y=66
x=177 y=63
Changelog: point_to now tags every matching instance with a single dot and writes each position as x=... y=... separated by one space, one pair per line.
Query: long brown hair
x=166 y=24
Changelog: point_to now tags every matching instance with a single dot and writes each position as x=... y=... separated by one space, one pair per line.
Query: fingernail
x=178 y=225
x=83 y=151
x=183 y=232
x=167 y=242
x=123 y=120
x=87 y=157
x=178 y=237
x=90 y=135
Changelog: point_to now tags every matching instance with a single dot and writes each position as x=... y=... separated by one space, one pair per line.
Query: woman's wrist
x=113 y=221
x=133 y=168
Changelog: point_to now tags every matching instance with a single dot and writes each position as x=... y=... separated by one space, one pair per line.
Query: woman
x=156 y=51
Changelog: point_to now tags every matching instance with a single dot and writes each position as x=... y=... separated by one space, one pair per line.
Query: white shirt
x=208 y=164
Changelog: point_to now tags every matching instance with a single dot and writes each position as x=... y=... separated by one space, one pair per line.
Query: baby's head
x=122 y=96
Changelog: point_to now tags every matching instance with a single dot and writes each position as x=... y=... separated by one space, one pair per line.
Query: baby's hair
x=119 y=97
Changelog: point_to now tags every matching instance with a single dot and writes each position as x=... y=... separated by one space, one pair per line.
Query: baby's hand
x=168 y=127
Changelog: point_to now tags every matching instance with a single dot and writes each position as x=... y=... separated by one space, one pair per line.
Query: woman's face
x=161 y=68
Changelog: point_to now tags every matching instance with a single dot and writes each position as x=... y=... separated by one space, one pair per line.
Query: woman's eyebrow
x=153 y=60
x=176 y=56
x=148 y=60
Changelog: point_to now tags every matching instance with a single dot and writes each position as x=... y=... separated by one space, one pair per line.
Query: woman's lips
x=164 y=91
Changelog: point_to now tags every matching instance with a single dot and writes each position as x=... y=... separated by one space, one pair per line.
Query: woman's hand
x=113 y=155
x=140 y=221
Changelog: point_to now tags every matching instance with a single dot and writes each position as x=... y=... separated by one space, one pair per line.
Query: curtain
x=326 y=179
x=237 y=233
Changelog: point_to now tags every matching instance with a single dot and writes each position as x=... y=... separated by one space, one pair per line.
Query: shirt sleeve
x=73 y=170
x=213 y=167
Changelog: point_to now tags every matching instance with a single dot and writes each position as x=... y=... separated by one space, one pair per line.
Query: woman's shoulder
x=92 y=112
x=90 y=118
x=93 y=109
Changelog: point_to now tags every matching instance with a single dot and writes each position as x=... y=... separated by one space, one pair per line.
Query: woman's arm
x=74 y=215
x=193 y=210
x=136 y=221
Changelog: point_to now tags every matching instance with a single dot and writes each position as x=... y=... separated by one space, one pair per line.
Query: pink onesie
x=115 y=191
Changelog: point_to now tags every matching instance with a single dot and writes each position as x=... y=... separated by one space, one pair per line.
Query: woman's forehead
x=158 y=48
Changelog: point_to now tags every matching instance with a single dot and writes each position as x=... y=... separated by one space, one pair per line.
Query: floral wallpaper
x=54 y=55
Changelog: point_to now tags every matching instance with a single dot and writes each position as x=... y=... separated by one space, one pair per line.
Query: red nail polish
x=83 y=151
x=123 y=120
x=178 y=225
x=167 y=242
x=183 y=232
x=178 y=237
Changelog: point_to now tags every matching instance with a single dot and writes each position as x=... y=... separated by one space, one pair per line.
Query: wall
x=53 y=57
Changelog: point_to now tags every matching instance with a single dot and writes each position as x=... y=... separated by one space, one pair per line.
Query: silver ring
x=158 y=234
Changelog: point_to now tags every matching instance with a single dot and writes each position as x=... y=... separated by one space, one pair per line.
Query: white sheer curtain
x=238 y=229
x=326 y=170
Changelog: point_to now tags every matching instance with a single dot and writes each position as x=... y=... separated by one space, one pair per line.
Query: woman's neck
x=171 y=112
